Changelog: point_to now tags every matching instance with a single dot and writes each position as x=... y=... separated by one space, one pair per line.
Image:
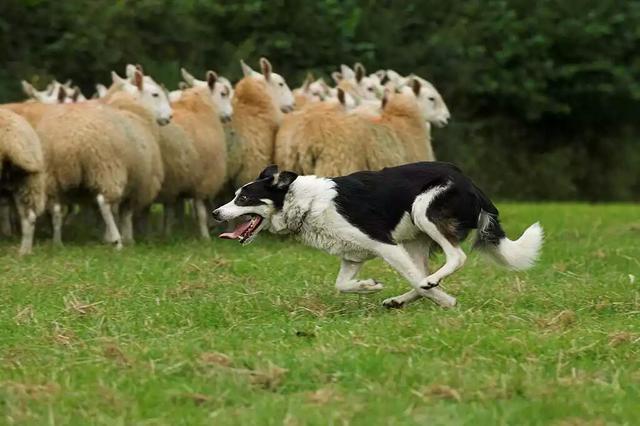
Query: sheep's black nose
x=216 y=215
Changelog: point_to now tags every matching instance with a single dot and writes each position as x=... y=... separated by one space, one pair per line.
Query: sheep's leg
x=112 y=234
x=346 y=282
x=28 y=225
x=57 y=218
x=6 y=228
x=201 y=214
x=169 y=218
x=179 y=206
x=126 y=225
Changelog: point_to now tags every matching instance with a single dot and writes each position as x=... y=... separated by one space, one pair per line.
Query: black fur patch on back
x=374 y=202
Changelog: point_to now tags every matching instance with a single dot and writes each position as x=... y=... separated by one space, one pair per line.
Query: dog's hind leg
x=346 y=282
x=398 y=257
x=419 y=252
x=442 y=229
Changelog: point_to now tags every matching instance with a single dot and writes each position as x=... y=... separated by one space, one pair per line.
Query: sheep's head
x=55 y=93
x=149 y=93
x=280 y=93
x=221 y=96
x=370 y=87
x=431 y=103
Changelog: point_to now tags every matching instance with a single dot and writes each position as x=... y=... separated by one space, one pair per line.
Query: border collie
x=396 y=213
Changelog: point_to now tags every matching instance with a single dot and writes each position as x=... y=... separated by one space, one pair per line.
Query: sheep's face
x=317 y=90
x=152 y=96
x=371 y=88
x=221 y=96
x=280 y=94
x=431 y=103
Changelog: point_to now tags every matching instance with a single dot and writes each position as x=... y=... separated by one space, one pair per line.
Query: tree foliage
x=545 y=96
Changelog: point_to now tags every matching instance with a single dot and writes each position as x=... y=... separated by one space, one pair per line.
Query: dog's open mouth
x=246 y=231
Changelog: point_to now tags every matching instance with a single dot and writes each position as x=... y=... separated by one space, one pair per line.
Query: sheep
x=259 y=102
x=194 y=151
x=327 y=141
x=56 y=92
x=107 y=150
x=312 y=90
x=22 y=172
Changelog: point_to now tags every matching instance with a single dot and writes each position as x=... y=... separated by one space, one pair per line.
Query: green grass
x=185 y=332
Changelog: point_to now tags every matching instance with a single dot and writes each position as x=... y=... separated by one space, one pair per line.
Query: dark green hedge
x=545 y=95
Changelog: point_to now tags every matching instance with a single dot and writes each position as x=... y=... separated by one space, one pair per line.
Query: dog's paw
x=363 y=287
x=393 y=303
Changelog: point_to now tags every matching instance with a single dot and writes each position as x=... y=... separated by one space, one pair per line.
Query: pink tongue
x=236 y=232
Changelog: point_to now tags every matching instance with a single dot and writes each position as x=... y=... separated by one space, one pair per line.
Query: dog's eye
x=242 y=198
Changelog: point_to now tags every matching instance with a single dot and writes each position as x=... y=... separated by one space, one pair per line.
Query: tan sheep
x=107 y=151
x=328 y=141
x=22 y=173
x=258 y=105
x=194 y=152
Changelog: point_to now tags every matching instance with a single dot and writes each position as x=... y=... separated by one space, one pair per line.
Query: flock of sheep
x=137 y=144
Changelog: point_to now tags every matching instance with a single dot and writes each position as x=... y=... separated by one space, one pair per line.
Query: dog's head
x=257 y=201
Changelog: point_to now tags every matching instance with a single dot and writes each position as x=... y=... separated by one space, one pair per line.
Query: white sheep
x=108 y=151
x=259 y=102
x=194 y=151
x=22 y=172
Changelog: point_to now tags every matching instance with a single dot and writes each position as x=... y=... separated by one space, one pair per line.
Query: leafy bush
x=545 y=99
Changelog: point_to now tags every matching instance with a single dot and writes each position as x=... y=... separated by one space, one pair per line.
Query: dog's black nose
x=216 y=215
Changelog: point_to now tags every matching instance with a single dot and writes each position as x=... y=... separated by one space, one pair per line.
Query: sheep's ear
x=381 y=74
x=285 y=179
x=101 y=89
x=138 y=80
x=341 y=97
x=336 y=76
x=183 y=86
x=188 y=78
x=139 y=68
x=360 y=71
x=67 y=84
x=51 y=87
x=416 y=86
x=268 y=172
x=76 y=94
x=266 y=68
x=62 y=94
x=307 y=82
x=27 y=88
x=347 y=72
x=385 y=98
x=246 y=69
x=116 y=79
x=130 y=70
x=212 y=77
x=324 y=85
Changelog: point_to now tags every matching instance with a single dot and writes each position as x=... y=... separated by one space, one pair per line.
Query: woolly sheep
x=327 y=141
x=22 y=173
x=108 y=150
x=194 y=152
x=259 y=102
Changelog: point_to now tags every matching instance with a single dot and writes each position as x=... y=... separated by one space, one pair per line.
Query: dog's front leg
x=346 y=282
x=401 y=261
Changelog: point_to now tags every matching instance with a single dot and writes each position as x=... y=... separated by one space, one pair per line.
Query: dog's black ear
x=285 y=179
x=268 y=172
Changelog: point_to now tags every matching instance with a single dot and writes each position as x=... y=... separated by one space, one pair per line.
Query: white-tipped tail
x=522 y=253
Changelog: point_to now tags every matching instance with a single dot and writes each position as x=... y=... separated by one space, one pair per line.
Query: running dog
x=397 y=213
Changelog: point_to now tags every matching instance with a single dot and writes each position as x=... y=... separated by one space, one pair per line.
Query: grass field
x=185 y=332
